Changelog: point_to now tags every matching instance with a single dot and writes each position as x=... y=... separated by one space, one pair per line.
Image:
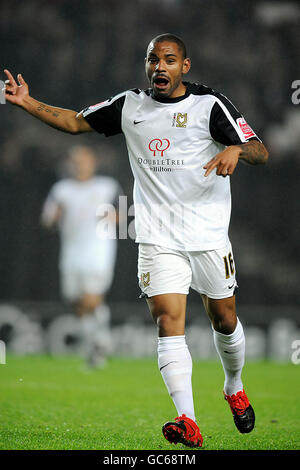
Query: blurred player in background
x=184 y=140
x=87 y=254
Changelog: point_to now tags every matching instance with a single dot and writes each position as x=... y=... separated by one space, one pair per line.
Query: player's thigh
x=85 y=289
x=164 y=278
x=90 y=301
x=94 y=285
x=70 y=285
x=96 y=266
x=214 y=273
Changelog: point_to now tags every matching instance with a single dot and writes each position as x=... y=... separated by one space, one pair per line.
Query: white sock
x=88 y=325
x=102 y=313
x=103 y=327
x=231 y=349
x=175 y=364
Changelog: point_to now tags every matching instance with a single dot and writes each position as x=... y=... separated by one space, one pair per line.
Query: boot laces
x=238 y=403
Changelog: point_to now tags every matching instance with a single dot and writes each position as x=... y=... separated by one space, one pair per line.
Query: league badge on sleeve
x=245 y=128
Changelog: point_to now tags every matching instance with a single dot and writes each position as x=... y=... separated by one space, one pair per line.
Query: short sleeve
x=227 y=125
x=106 y=117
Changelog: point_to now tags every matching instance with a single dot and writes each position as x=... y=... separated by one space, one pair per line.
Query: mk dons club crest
x=179 y=120
x=145 y=279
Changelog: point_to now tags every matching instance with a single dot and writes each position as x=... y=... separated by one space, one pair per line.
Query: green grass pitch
x=54 y=403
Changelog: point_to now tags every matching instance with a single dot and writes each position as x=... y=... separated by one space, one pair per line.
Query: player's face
x=83 y=164
x=165 y=66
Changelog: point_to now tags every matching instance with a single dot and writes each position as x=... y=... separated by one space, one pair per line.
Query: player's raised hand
x=225 y=162
x=15 y=92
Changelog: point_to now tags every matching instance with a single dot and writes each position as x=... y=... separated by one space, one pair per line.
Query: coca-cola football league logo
x=245 y=128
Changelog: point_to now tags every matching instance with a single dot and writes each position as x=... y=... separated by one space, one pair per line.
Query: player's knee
x=90 y=302
x=168 y=323
x=165 y=319
x=223 y=316
x=224 y=325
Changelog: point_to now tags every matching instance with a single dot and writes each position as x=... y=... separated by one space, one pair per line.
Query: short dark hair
x=171 y=38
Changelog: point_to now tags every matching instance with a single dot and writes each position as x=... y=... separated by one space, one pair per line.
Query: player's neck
x=83 y=179
x=179 y=91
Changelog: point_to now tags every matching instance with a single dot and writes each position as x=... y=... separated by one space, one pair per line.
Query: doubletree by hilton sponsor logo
x=159 y=148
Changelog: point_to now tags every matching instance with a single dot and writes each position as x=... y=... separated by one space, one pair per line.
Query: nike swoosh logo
x=230 y=287
x=167 y=364
x=137 y=122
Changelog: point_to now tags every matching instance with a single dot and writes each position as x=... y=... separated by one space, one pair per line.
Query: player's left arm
x=225 y=162
x=52 y=210
x=51 y=217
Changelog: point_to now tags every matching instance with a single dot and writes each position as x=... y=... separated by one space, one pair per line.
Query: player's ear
x=186 y=65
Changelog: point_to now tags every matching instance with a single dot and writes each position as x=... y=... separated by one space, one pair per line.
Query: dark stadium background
x=76 y=53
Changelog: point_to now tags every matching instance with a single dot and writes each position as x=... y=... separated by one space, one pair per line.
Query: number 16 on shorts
x=229 y=265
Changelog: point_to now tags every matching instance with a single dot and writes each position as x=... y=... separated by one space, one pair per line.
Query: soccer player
x=87 y=255
x=184 y=141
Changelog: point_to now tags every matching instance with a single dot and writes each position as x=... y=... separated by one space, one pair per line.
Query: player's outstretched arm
x=252 y=152
x=64 y=120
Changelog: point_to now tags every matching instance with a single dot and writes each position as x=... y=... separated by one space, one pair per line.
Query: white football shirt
x=169 y=141
x=83 y=245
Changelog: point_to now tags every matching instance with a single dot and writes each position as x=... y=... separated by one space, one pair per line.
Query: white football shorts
x=75 y=283
x=87 y=268
x=164 y=271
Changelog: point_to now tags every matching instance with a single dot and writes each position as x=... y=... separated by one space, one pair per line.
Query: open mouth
x=161 y=82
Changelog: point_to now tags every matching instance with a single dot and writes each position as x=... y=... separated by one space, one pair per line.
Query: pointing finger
x=209 y=167
x=210 y=162
x=10 y=77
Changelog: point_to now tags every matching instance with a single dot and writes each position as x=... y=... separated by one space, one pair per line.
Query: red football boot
x=183 y=430
x=243 y=413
